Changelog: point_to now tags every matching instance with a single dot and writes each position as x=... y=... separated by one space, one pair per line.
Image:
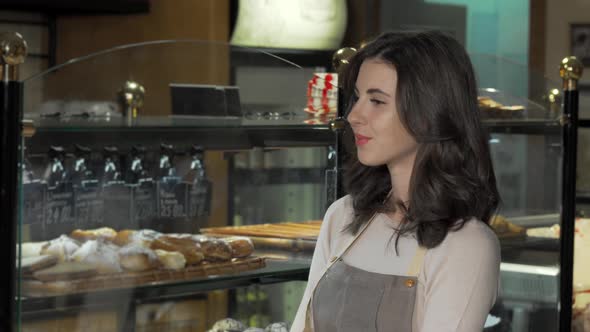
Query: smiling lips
x=361 y=140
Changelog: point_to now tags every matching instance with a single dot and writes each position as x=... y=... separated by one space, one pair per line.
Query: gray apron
x=351 y=299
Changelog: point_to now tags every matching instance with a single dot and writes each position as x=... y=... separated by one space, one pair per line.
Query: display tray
x=35 y=288
x=290 y=236
x=302 y=236
x=277 y=269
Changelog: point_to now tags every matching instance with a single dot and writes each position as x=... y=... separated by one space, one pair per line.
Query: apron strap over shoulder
x=308 y=312
x=356 y=237
x=417 y=261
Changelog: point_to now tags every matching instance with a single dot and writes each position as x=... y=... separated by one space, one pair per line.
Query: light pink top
x=458 y=282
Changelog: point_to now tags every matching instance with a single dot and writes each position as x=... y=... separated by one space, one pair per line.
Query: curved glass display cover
x=149 y=165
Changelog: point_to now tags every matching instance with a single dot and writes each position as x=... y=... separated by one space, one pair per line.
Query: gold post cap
x=571 y=68
x=132 y=94
x=341 y=58
x=337 y=124
x=13 y=48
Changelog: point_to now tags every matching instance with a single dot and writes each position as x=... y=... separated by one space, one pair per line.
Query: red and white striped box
x=322 y=94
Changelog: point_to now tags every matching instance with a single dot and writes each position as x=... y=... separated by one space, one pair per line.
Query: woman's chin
x=367 y=161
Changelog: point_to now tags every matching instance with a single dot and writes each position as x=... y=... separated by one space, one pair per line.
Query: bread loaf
x=63 y=248
x=124 y=237
x=503 y=227
x=141 y=238
x=32 y=264
x=188 y=247
x=104 y=233
x=171 y=260
x=32 y=249
x=135 y=258
x=215 y=250
x=100 y=254
x=241 y=246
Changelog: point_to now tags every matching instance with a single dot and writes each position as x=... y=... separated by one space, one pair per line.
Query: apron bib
x=348 y=299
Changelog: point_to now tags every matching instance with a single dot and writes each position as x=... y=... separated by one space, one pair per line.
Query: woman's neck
x=401 y=173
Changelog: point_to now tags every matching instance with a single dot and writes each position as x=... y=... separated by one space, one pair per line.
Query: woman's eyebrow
x=375 y=90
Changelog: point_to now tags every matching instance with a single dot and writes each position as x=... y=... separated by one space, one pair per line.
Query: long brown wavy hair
x=453 y=178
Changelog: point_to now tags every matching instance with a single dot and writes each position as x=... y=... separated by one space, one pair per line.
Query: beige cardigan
x=458 y=282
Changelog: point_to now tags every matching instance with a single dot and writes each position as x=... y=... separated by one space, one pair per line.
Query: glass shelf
x=211 y=133
x=287 y=269
x=171 y=123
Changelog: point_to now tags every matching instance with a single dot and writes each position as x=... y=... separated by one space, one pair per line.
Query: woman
x=409 y=249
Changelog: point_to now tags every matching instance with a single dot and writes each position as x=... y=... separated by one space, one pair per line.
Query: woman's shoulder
x=338 y=215
x=474 y=241
x=474 y=231
x=341 y=205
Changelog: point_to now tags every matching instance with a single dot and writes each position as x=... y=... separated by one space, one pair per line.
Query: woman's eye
x=377 y=102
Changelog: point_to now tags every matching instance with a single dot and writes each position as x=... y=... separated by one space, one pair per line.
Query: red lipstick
x=361 y=140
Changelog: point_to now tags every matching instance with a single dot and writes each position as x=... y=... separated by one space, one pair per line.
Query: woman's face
x=380 y=137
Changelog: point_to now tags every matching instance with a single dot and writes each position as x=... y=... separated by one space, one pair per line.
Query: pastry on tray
x=170 y=260
x=136 y=258
x=505 y=228
x=104 y=256
x=120 y=258
x=544 y=232
x=492 y=109
x=216 y=250
x=241 y=246
x=31 y=264
x=582 y=231
x=190 y=248
x=32 y=249
x=104 y=233
x=142 y=238
x=63 y=248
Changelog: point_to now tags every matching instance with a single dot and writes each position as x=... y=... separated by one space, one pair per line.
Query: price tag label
x=33 y=210
x=89 y=208
x=59 y=208
x=200 y=199
x=144 y=203
x=33 y=203
x=117 y=206
x=172 y=200
x=59 y=212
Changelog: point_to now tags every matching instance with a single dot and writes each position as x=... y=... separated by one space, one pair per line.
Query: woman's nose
x=354 y=116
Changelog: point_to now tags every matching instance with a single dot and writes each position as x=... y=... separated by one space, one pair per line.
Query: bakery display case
x=526 y=147
x=134 y=157
x=180 y=186
x=533 y=138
